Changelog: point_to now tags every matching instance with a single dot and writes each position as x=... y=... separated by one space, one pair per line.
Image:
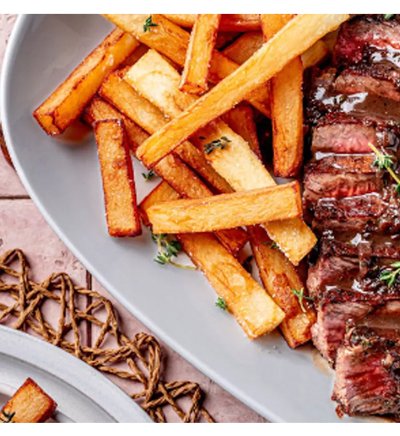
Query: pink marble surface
x=22 y=226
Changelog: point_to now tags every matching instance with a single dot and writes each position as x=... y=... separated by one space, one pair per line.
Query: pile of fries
x=184 y=94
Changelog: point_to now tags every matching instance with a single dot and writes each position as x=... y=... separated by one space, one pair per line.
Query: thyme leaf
x=149 y=175
x=221 y=303
x=390 y=275
x=384 y=161
x=148 y=24
x=388 y=16
x=299 y=294
x=220 y=143
x=168 y=249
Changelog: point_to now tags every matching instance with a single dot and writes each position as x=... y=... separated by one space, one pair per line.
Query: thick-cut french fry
x=118 y=183
x=244 y=47
x=286 y=106
x=30 y=404
x=172 y=168
x=247 y=44
x=294 y=39
x=229 y=22
x=67 y=102
x=315 y=54
x=281 y=280
x=287 y=119
x=100 y=110
x=162 y=192
x=227 y=211
x=252 y=307
x=147 y=116
x=199 y=53
x=292 y=235
x=172 y=41
x=241 y=120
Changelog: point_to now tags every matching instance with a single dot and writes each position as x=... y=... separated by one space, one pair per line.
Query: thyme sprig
x=221 y=303
x=148 y=24
x=390 y=275
x=6 y=417
x=220 y=143
x=299 y=294
x=168 y=249
x=149 y=175
x=384 y=161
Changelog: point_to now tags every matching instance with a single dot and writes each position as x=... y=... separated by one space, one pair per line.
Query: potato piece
x=152 y=74
x=252 y=307
x=118 y=183
x=241 y=120
x=297 y=36
x=315 y=54
x=198 y=56
x=30 y=404
x=229 y=22
x=172 y=41
x=68 y=101
x=244 y=47
x=287 y=119
x=280 y=278
x=147 y=116
x=273 y=23
x=227 y=211
x=172 y=169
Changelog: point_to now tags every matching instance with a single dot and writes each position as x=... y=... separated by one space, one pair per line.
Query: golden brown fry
x=273 y=23
x=292 y=235
x=227 y=211
x=229 y=22
x=286 y=106
x=315 y=54
x=172 y=169
x=241 y=120
x=147 y=116
x=280 y=278
x=100 y=110
x=287 y=119
x=67 y=102
x=162 y=192
x=252 y=307
x=172 y=41
x=297 y=36
x=244 y=47
x=30 y=404
x=118 y=183
x=198 y=56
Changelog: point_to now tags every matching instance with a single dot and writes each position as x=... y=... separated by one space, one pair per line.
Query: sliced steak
x=340 y=176
x=379 y=79
x=370 y=212
x=361 y=33
x=368 y=371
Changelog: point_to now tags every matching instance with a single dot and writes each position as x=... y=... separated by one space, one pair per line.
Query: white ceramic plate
x=81 y=392
x=178 y=306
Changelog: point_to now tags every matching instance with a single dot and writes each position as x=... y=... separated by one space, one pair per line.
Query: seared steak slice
x=343 y=138
x=359 y=34
x=337 y=309
x=371 y=212
x=368 y=372
x=340 y=176
x=380 y=79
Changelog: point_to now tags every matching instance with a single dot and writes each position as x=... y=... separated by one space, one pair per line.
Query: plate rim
x=12 y=344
